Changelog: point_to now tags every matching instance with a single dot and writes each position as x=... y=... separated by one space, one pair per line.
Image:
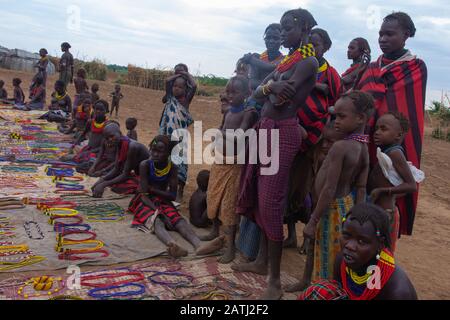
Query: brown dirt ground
x=424 y=256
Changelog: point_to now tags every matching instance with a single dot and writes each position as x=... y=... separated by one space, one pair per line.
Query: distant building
x=21 y=60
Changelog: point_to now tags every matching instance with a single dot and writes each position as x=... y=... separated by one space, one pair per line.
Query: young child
x=81 y=86
x=131 y=124
x=81 y=115
x=175 y=116
x=94 y=93
x=60 y=108
x=311 y=168
x=345 y=169
x=364 y=243
x=37 y=96
x=153 y=204
x=3 y=93
x=116 y=97
x=224 y=181
x=197 y=205
x=392 y=175
x=18 y=95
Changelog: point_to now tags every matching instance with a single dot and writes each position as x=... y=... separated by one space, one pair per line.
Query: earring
x=378 y=256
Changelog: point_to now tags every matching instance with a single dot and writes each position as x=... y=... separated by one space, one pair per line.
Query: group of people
x=349 y=156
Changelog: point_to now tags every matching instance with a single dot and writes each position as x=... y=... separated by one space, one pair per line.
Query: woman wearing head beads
x=358 y=51
x=264 y=190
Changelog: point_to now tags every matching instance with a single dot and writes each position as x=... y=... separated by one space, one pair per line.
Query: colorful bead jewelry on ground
x=96 y=293
x=75 y=255
x=135 y=277
x=172 y=284
x=28 y=229
x=41 y=284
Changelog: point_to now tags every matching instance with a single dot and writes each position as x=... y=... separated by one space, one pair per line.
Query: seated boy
x=3 y=93
x=81 y=116
x=60 y=108
x=392 y=176
x=131 y=124
x=153 y=204
x=345 y=169
x=197 y=205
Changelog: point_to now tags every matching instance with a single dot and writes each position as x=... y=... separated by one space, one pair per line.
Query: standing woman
x=41 y=65
x=398 y=82
x=264 y=194
x=262 y=65
x=66 y=64
x=358 y=51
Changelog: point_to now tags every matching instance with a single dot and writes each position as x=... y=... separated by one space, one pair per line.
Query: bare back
x=348 y=161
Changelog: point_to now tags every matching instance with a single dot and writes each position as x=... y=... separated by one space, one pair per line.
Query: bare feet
x=228 y=256
x=210 y=247
x=298 y=287
x=273 y=292
x=211 y=236
x=290 y=243
x=253 y=267
x=176 y=251
x=302 y=249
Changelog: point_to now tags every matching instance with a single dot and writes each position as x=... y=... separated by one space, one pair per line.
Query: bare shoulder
x=399 y=287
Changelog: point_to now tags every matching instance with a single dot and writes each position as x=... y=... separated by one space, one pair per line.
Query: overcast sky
x=210 y=35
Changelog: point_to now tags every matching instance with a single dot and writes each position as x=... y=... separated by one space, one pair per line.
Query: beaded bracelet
x=60 y=212
x=94 y=292
x=63 y=235
x=85 y=280
x=59 y=227
x=60 y=246
x=73 y=255
x=189 y=279
x=56 y=221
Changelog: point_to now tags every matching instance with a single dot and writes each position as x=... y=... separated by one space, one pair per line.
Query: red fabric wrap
x=314 y=115
x=142 y=212
x=400 y=87
x=263 y=198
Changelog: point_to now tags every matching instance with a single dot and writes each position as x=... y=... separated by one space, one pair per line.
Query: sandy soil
x=424 y=256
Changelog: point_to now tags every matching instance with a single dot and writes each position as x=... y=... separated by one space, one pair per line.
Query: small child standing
x=94 y=93
x=345 y=169
x=116 y=97
x=81 y=87
x=131 y=124
x=392 y=175
x=197 y=205
x=224 y=182
x=3 y=93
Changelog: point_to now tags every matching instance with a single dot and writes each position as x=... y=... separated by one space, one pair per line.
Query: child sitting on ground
x=81 y=115
x=60 y=109
x=131 y=124
x=18 y=95
x=154 y=202
x=116 y=96
x=197 y=205
x=393 y=175
x=37 y=95
x=224 y=182
x=345 y=169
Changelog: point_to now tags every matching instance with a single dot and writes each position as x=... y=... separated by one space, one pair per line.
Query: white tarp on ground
x=21 y=60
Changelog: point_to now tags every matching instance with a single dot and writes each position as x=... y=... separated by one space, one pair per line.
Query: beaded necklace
x=188 y=279
x=386 y=263
x=27 y=226
x=135 y=277
x=363 y=138
x=237 y=109
x=95 y=293
x=159 y=174
x=291 y=59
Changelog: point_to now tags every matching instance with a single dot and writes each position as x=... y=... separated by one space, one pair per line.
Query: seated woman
x=365 y=268
x=153 y=204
